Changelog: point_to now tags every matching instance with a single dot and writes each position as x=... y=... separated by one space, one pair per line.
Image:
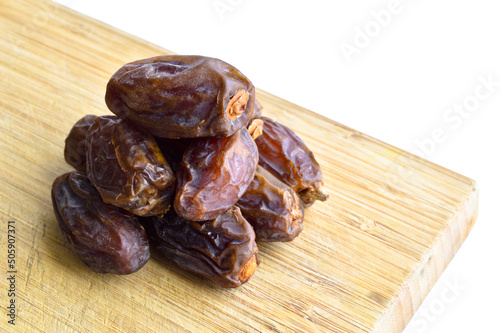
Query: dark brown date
x=127 y=167
x=214 y=174
x=107 y=239
x=272 y=208
x=287 y=157
x=176 y=96
x=222 y=249
x=74 y=148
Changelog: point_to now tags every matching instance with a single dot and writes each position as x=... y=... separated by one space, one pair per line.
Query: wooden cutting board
x=364 y=262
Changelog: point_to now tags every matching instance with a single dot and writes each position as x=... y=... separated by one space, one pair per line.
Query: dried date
x=127 y=167
x=74 y=148
x=107 y=239
x=287 y=157
x=222 y=249
x=272 y=208
x=176 y=96
x=214 y=174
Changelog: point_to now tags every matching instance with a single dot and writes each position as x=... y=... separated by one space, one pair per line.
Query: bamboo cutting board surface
x=364 y=262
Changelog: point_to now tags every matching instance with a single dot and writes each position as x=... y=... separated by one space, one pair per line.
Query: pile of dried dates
x=187 y=164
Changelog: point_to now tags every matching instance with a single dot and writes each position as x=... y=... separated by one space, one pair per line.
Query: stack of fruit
x=187 y=164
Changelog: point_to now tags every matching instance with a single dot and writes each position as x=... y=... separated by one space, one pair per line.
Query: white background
x=402 y=79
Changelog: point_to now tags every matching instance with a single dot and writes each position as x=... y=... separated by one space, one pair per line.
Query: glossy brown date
x=214 y=174
x=74 y=148
x=222 y=249
x=107 y=239
x=175 y=96
x=287 y=157
x=127 y=167
x=272 y=208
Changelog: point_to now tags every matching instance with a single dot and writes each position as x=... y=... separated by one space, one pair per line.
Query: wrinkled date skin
x=272 y=208
x=74 y=149
x=127 y=167
x=176 y=96
x=223 y=249
x=107 y=239
x=214 y=174
x=285 y=155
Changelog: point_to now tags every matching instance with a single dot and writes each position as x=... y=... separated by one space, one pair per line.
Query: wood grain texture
x=364 y=262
